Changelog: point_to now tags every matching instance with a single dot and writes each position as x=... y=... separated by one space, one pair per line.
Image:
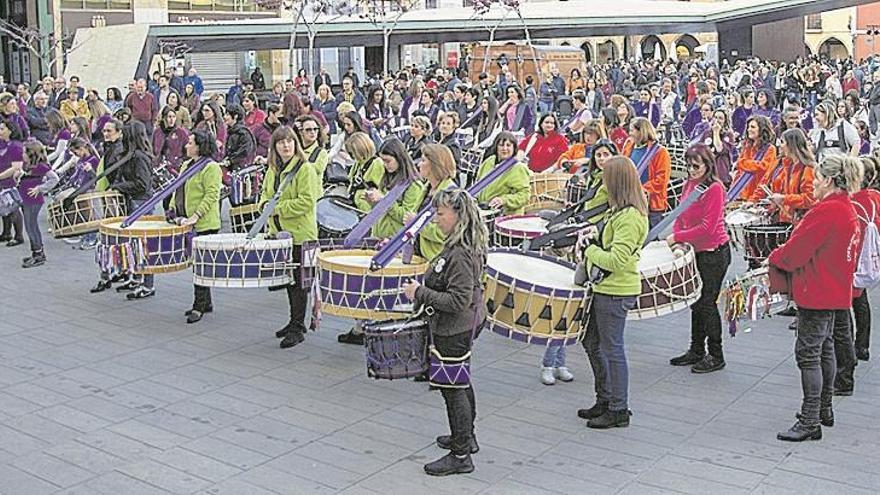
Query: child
x=554 y=366
x=84 y=163
x=36 y=178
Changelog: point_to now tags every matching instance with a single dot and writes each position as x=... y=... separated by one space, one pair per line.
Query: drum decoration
x=761 y=240
x=748 y=297
x=547 y=191
x=512 y=230
x=471 y=159
x=149 y=246
x=396 y=349
x=243 y=217
x=336 y=218
x=670 y=280
x=245 y=185
x=532 y=298
x=737 y=220
x=234 y=261
x=350 y=289
x=10 y=200
x=84 y=213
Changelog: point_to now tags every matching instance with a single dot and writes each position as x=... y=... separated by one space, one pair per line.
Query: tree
x=385 y=14
x=47 y=48
x=483 y=7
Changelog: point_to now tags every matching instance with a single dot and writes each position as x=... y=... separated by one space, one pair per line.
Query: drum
x=150 y=245
x=512 y=230
x=162 y=176
x=232 y=260
x=338 y=190
x=673 y=192
x=533 y=298
x=575 y=189
x=396 y=349
x=670 y=280
x=85 y=213
x=243 y=218
x=350 y=289
x=737 y=220
x=471 y=159
x=488 y=215
x=547 y=191
x=10 y=200
x=244 y=185
x=761 y=240
x=335 y=217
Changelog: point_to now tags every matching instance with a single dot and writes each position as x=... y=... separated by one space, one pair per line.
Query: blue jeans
x=654 y=218
x=545 y=106
x=814 y=353
x=605 y=349
x=554 y=356
x=32 y=227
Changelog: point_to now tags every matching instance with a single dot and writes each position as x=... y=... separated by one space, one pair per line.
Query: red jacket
x=659 y=171
x=546 y=150
x=702 y=224
x=821 y=254
x=748 y=163
x=869 y=199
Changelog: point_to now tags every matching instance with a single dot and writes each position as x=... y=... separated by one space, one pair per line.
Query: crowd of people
x=796 y=138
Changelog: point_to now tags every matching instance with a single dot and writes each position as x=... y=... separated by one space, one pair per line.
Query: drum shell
x=507 y=236
x=356 y=292
x=761 y=240
x=231 y=260
x=554 y=316
x=736 y=221
x=396 y=349
x=547 y=191
x=335 y=221
x=85 y=214
x=243 y=218
x=668 y=286
x=168 y=248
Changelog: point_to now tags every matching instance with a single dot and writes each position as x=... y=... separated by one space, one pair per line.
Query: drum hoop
x=233 y=241
x=133 y=231
x=327 y=260
x=555 y=177
x=244 y=209
x=769 y=228
x=755 y=217
x=669 y=266
x=531 y=338
x=511 y=280
x=510 y=232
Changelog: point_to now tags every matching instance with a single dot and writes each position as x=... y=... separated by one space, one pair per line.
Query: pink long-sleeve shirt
x=702 y=224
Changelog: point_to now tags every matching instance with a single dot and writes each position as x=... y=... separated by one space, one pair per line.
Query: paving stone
x=86 y=457
x=229 y=453
x=17 y=482
x=165 y=477
x=196 y=464
x=52 y=469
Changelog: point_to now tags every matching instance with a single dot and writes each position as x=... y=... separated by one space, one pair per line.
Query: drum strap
x=360 y=230
x=258 y=225
x=646 y=158
x=743 y=180
x=166 y=191
x=674 y=214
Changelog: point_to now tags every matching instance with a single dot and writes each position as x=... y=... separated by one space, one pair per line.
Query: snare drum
x=670 y=280
x=547 y=191
x=350 y=289
x=737 y=220
x=533 y=298
x=396 y=348
x=761 y=240
x=488 y=216
x=335 y=217
x=244 y=186
x=673 y=192
x=512 y=230
x=85 y=213
x=232 y=260
x=575 y=189
x=10 y=200
x=150 y=245
x=243 y=218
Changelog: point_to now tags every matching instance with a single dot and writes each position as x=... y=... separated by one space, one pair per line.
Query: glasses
x=310 y=129
x=695 y=164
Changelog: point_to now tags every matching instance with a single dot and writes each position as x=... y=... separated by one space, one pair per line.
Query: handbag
x=10 y=201
x=455 y=372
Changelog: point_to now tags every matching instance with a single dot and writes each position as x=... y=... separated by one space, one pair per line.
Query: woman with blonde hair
x=655 y=174
x=437 y=168
x=326 y=104
x=611 y=258
x=367 y=171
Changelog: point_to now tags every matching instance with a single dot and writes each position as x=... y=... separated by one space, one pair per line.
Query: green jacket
x=103 y=183
x=431 y=239
x=392 y=221
x=622 y=239
x=513 y=187
x=320 y=162
x=373 y=172
x=601 y=197
x=201 y=196
x=295 y=211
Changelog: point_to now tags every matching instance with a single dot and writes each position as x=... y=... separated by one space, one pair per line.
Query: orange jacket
x=795 y=183
x=659 y=171
x=747 y=163
x=574 y=152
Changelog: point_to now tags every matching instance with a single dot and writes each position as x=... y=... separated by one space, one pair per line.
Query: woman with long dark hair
x=169 y=141
x=790 y=182
x=516 y=114
x=210 y=118
x=376 y=110
x=489 y=125
x=544 y=146
x=757 y=155
x=511 y=191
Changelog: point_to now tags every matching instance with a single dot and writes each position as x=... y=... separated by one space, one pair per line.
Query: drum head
x=334 y=217
x=539 y=271
x=741 y=217
x=521 y=226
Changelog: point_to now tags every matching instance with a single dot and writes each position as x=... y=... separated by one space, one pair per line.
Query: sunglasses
x=310 y=129
x=694 y=164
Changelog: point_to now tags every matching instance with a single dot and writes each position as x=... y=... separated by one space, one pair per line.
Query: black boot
x=445 y=443
x=862 y=354
x=598 y=409
x=280 y=334
x=351 y=338
x=36 y=260
x=708 y=364
x=611 y=419
x=687 y=359
x=101 y=286
x=450 y=464
x=294 y=336
x=800 y=432
x=826 y=416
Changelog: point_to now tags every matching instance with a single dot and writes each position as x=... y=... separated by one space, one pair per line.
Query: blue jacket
x=196 y=81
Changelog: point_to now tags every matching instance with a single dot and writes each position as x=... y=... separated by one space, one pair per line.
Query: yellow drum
x=85 y=213
x=350 y=289
x=150 y=245
x=548 y=191
x=243 y=217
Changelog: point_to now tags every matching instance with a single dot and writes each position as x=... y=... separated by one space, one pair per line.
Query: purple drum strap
x=646 y=159
x=743 y=180
x=363 y=227
x=165 y=191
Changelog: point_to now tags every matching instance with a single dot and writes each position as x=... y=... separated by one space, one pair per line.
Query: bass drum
x=336 y=217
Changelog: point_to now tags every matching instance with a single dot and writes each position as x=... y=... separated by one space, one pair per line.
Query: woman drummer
x=702 y=226
x=367 y=171
x=613 y=255
x=314 y=140
x=451 y=286
x=437 y=168
x=294 y=213
x=578 y=154
x=591 y=181
x=197 y=202
x=655 y=175
x=758 y=154
x=510 y=192
x=789 y=186
x=820 y=259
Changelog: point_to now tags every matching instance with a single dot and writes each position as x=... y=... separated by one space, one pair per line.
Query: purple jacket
x=10 y=151
x=80 y=174
x=170 y=146
x=20 y=122
x=31 y=179
x=263 y=136
x=739 y=118
x=650 y=111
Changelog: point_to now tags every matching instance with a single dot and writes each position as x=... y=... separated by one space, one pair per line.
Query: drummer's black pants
x=461 y=406
x=705 y=317
x=10 y=221
x=297 y=296
x=844 y=350
x=862 y=312
x=202 y=295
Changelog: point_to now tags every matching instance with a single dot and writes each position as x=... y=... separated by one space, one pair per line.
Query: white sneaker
x=547 y=377
x=563 y=374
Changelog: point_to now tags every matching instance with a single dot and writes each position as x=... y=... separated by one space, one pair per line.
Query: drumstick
x=349 y=207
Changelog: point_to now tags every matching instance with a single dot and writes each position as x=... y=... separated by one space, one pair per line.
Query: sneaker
x=598 y=409
x=687 y=359
x=450 y=464
x=445 y=443
x=826 y=416
x=101 y=286
x=564 y=374
x=800 y=432
x=15 y=242
x=140 y=293
x=36 y=260
x=547 y=377
x=611 y=419
x=708 y=364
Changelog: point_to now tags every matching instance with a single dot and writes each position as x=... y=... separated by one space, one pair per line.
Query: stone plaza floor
x=99 y=395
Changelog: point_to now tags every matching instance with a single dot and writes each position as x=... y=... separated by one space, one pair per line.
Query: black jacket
x=111 y=153
x=240 y=146
x=449 y=288
x=134 y=178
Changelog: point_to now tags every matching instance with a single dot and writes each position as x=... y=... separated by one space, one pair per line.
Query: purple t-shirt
x=31 y=179
x=10 y=152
